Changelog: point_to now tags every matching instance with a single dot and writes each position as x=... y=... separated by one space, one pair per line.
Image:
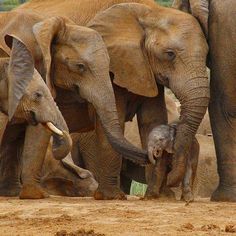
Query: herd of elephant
x=78 y=70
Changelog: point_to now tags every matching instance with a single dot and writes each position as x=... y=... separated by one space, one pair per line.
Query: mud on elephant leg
x=35 y=147
x=10 y=163
x=152 y=113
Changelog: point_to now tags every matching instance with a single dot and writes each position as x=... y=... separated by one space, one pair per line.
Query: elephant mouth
x=32 y=118
x=50 y=126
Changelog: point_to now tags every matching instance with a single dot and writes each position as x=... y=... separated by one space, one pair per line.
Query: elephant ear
x=124 y=37
x=20 y=73
x=45 y=32
x=198 y=8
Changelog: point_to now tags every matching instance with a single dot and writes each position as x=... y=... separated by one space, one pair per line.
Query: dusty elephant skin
x=78 y=65
x=66 y=179
x=170 y=50
x=206 y=181
x=24 y=97
x=161 y=139
x=221 y=35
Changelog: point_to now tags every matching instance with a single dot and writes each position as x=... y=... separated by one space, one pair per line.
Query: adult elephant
x=26 y=104
x=221 y=30
x=75 y=65
x=150 y=47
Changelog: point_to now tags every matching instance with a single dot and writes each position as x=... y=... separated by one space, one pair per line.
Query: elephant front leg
x=108 y=164
x=35 y=147
x=10 y=168
x=152 y=113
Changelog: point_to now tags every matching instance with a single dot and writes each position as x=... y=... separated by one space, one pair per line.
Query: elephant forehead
x=37 y=83
x=160 y=133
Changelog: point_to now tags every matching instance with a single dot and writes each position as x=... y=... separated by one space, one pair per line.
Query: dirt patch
x=62 y=216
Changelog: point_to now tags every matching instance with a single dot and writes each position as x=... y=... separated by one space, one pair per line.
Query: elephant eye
x=170 y=55
x=37 y=96
x=81 y=67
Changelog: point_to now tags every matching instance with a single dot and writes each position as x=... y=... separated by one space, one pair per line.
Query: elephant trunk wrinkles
x=194 y=98
x=103 y=100
x=62 y=145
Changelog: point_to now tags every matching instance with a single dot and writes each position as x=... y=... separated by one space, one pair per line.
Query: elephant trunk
x=62 y=142
x=103 y=100
x=194 y=98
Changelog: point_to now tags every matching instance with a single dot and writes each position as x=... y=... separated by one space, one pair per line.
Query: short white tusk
x=54 y=129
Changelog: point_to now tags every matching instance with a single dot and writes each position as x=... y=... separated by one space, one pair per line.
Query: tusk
x=54 y=129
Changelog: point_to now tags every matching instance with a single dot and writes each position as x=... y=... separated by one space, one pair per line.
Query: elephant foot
x=165 y=193
x=9 y=190
x=187 y=197
x=32 y=191
x=151 y=194
x=224 y=194
x=112 y=193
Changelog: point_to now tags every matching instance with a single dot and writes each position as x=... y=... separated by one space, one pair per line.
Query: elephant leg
x=10 y=168
x=190 y=173
x=152 y=113
x=108 y=161
x=36 y=143
x=159 y=175
x=222 y=108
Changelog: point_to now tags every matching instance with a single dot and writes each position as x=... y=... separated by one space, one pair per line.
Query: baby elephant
x=161 y=140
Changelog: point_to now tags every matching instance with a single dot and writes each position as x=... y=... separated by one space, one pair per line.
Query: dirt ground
x=63 y=216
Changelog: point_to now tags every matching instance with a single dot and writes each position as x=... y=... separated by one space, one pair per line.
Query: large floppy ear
x=45 y=32
x=124 y=37
x=198 y=8
x=20 y=73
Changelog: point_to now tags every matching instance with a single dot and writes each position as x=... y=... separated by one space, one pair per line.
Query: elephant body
x=142 y=61
x=79 y=53
x=26 y=104
x=206 y=180
x=217 y=19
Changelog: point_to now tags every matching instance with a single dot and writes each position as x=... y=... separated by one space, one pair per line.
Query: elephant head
x=163 y=44
x=74 y=58
x=65 y=178
x=25 y=96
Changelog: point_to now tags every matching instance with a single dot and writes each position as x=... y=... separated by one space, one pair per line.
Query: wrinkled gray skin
x=24 y=97
x=161 y=139
x=218 y=18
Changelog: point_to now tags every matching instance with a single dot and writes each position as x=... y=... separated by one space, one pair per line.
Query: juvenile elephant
x=162 y=47
x=75 y=65
x=25 y=98
x=218 y=19
x=64 y=178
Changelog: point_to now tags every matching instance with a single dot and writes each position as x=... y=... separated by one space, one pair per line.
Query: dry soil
x=64 y=216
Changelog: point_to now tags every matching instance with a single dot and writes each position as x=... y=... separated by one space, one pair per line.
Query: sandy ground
x=72 y=216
